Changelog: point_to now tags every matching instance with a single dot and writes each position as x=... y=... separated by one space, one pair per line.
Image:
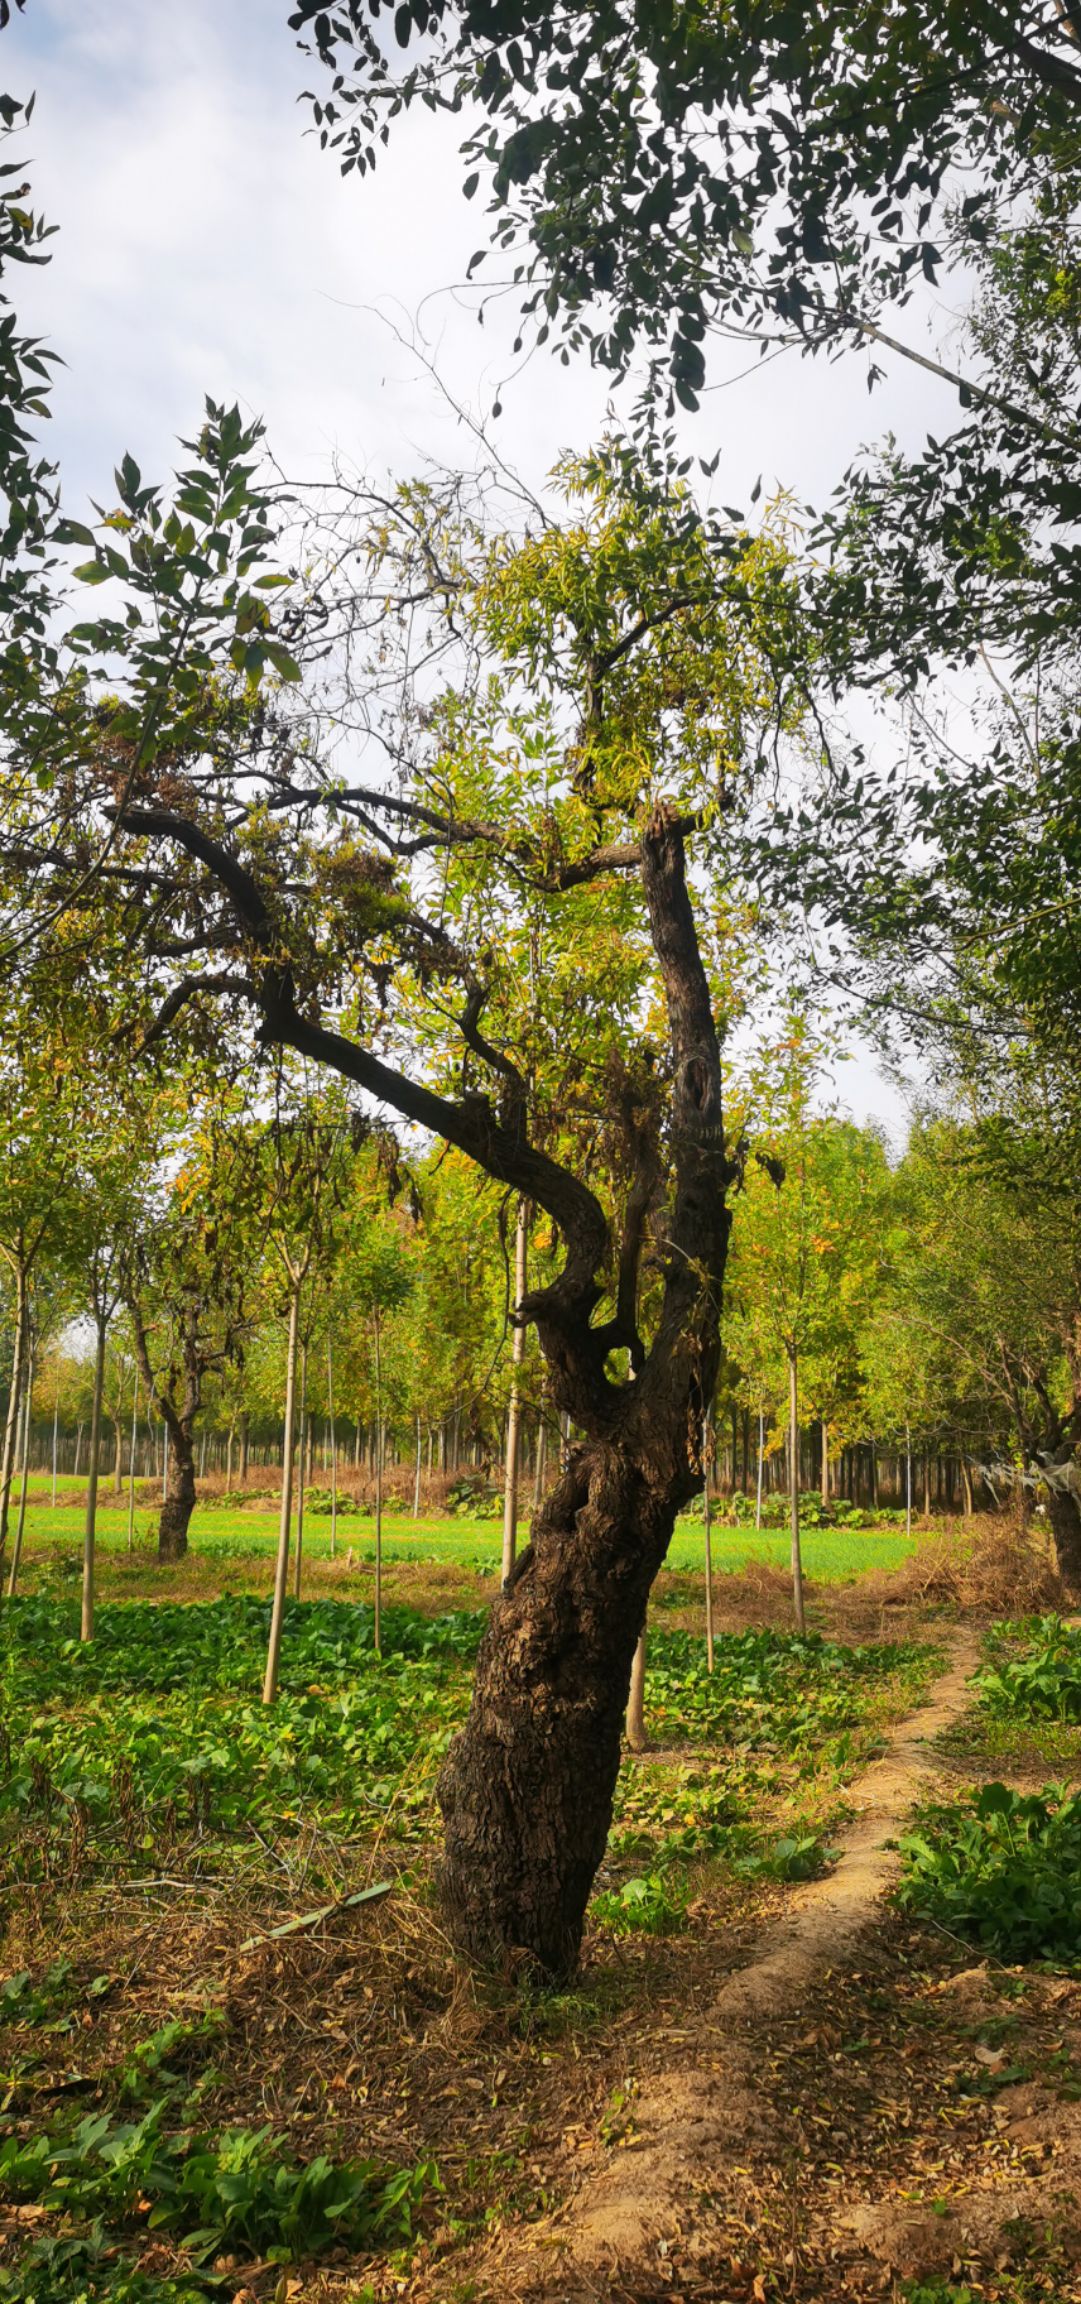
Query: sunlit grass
x=830 y=1555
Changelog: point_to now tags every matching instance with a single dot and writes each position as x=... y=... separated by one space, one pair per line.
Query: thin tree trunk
x=56 y=1430
x=825 y=1461
x=244 y=1444
x=301 y=1470
x=281 y=1567
x=926 y=1483
x=78 y=1447
x=118 y=1454
x=636 y=1698
x=11 y=1425
x=86 y=1628
x=514 y=1409
x=908 y=1481
x=131 y=1466
x=377 y=1627
x=540 y=1465
x=707 y=1529
x=966 y=1479
x=793 y=1491
x=17 y=1551
x=417 y=1472
x=333 y=1452
x=761 y=1458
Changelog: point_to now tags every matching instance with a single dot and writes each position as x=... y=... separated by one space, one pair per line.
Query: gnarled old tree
x=486 y=881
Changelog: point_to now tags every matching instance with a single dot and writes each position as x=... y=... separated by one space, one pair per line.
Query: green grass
x=830 y=1555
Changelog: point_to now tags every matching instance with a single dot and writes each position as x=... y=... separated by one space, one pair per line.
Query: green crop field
x=830 y=1555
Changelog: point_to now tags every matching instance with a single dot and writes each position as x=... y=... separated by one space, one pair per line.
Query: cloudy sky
x=205 y=244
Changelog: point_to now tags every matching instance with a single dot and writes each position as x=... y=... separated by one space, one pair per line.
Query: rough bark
x=178 y=1502
x=527 y=1788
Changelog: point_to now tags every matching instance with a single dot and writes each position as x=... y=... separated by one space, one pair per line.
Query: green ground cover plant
x=1043 y=1681
x=769 y=1689
x=239 y=2189
x=741 y=1511
x=140 y=2165
x=89 y=2272
x=648 y=1904
x=1001 y=1870
x=112 y=1750
x=151 y=1742
x=156 y=1727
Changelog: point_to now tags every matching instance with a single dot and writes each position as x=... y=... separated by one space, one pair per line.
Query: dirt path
x=695 y=2119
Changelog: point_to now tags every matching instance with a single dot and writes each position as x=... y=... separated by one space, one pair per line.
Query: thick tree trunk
x=527 y=1788
x=1064 y=1506
x=178 y=1502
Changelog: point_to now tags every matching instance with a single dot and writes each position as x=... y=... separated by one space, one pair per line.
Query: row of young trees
x=911 y=1303
x=468 y=797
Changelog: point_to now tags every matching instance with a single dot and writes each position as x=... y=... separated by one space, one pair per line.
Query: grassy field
x=830 y=1556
